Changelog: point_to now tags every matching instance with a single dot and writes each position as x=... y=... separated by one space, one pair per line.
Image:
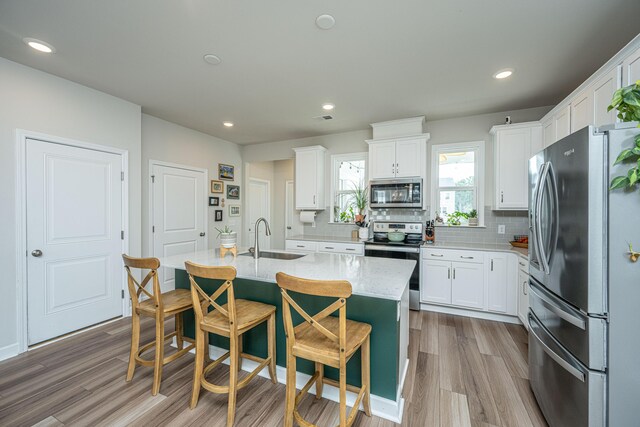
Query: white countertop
x=492 y=247
x=332 y=239
x=373 y=277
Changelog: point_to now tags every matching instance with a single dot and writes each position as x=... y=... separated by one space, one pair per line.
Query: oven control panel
x=406 y=227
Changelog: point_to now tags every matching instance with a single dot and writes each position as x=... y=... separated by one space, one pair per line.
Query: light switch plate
x=501 y=229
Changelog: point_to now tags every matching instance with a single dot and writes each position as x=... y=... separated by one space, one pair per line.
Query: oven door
x=400 y=193
x=398 y=253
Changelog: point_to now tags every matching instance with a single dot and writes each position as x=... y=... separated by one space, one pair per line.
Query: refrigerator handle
x=542 y=256
x=552 y=354
x=556 y=210
x=554 y=306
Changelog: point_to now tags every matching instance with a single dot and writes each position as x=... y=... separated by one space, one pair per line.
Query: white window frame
x=335 y=159
x=479 y=171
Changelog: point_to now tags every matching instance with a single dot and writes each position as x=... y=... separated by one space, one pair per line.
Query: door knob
x=202 y=234
x=36 y=253
x=288 y=228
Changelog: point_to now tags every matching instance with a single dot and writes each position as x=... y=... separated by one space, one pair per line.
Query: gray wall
x=40 y=102
x=169 y=142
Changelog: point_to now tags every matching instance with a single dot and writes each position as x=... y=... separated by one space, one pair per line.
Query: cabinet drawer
x=301 y=245
x=453 y=255
x=523 y=264
x=341 y=248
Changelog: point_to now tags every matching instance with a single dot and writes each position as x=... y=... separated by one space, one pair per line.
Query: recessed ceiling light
x=503 y=74
x=212 y=59
x=228 y=124
x=39 y=45
x=325 y=22
x=328 y=107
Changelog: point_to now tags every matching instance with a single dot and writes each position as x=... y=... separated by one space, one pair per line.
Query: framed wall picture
x=218 y=217
x=233 y=192
x=225 y=172
x=214 y=201
x=234 y=210
x=217 y=186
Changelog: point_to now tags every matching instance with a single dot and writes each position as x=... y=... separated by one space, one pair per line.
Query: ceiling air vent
x=323 y=117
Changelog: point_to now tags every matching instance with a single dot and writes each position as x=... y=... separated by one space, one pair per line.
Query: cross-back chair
x=325 y=340
x=153 y=303
x=230 y=320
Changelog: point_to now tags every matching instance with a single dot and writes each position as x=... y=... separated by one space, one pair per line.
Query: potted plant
x=227 y=237
x=360 y=199
x=627 y=101
x=473 y=218
x=455 y=218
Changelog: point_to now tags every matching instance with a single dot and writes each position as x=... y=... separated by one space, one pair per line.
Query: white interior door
x=293 y=226
x=179 y=214
x=258 y=201
x=74 y=224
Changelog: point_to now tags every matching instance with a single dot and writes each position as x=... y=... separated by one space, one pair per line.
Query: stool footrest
x=225 y=389
x=150 y=362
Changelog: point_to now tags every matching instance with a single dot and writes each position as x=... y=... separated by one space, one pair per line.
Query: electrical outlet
x=501 y=229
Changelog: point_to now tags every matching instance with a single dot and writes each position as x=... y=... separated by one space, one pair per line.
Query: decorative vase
x=228 y=240
x=473 y=222
x=363 y=233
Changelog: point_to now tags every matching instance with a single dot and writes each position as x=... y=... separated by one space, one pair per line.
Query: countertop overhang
x=373 y=277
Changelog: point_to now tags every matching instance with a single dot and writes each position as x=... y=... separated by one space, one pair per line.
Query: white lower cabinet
x=326 y=247
x=470 y=279
x=523 y=290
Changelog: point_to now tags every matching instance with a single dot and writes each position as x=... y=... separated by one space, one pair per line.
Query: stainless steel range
x=409 y=248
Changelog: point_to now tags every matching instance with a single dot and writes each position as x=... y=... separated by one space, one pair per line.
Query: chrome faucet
x=256 y=245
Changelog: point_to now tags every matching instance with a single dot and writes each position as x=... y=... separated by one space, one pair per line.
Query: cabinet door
x=436 y=282
x=523 y=296
x=563 y=122
x=409 y=158
x=382 y=160
x=467 y=285
x=631 y=68
x=306 y=180
x=602 y=93
x=498 y=283
x=582 y=110
x=549 y=132
x=512 y=150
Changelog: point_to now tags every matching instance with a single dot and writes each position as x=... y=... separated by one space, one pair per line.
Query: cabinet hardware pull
x=329 y=247
x=491 y=265
x=454 y=274
x=439 y=256
x=448 y=273
x=350 y=249
x=314 y=199
x=466 y=257
x=501 y=196
x=524 y=287
x=522 y=264
x=299 y=246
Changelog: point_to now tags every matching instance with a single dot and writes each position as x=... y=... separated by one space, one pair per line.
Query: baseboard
x=470 y=313
x=8 y=351
x=380 y=406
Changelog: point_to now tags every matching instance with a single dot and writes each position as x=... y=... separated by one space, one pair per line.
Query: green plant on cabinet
x=627 y=101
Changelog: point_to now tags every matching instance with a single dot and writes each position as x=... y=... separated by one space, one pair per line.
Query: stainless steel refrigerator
x=584 y=315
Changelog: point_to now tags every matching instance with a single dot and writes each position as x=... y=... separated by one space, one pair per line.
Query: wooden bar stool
x=230 y=320
x=159 y=306
x=325 y=340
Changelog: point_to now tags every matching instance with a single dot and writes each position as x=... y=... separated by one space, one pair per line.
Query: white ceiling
x=383 y=60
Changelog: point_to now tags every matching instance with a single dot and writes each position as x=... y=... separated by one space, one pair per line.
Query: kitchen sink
x=275 y=255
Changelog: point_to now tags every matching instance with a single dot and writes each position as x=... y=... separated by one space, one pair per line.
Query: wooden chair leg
x=135 y=344
x=198 y=367
x=343 y=392
x=233 y=380
x=179 y=331
x=159 y=359
x=240 y=352
x=320 y=371
x=365 y=355
x=207 y=357
x=271 y=347
x=290 y=389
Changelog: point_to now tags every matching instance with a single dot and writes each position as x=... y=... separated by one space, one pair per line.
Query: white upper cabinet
x=548 y=131
x=603 y=90
x=563 y=122
x=309 y=177
x=397 y=158
x=513 y=146
x=631 y=68
x=582 y=110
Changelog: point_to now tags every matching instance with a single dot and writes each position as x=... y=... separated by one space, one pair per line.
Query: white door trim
x=247 y=213
x=21 y=218
x=153 y=163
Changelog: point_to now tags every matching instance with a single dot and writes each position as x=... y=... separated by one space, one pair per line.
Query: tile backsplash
x=515 y=222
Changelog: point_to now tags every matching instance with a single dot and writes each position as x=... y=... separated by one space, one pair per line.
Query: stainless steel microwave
x=396 y=193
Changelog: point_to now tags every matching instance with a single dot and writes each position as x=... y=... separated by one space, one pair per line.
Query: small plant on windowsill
x=347 y=215
x=456 y=218
x=473 y=218
x=360 y=200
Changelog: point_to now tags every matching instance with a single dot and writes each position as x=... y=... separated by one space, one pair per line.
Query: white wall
x=40 y=102
x=169 y=142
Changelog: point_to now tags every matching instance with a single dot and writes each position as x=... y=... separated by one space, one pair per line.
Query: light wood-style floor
x=463 y=372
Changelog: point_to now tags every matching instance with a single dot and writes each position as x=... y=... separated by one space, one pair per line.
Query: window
x=349 y=172
x=457 y=180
